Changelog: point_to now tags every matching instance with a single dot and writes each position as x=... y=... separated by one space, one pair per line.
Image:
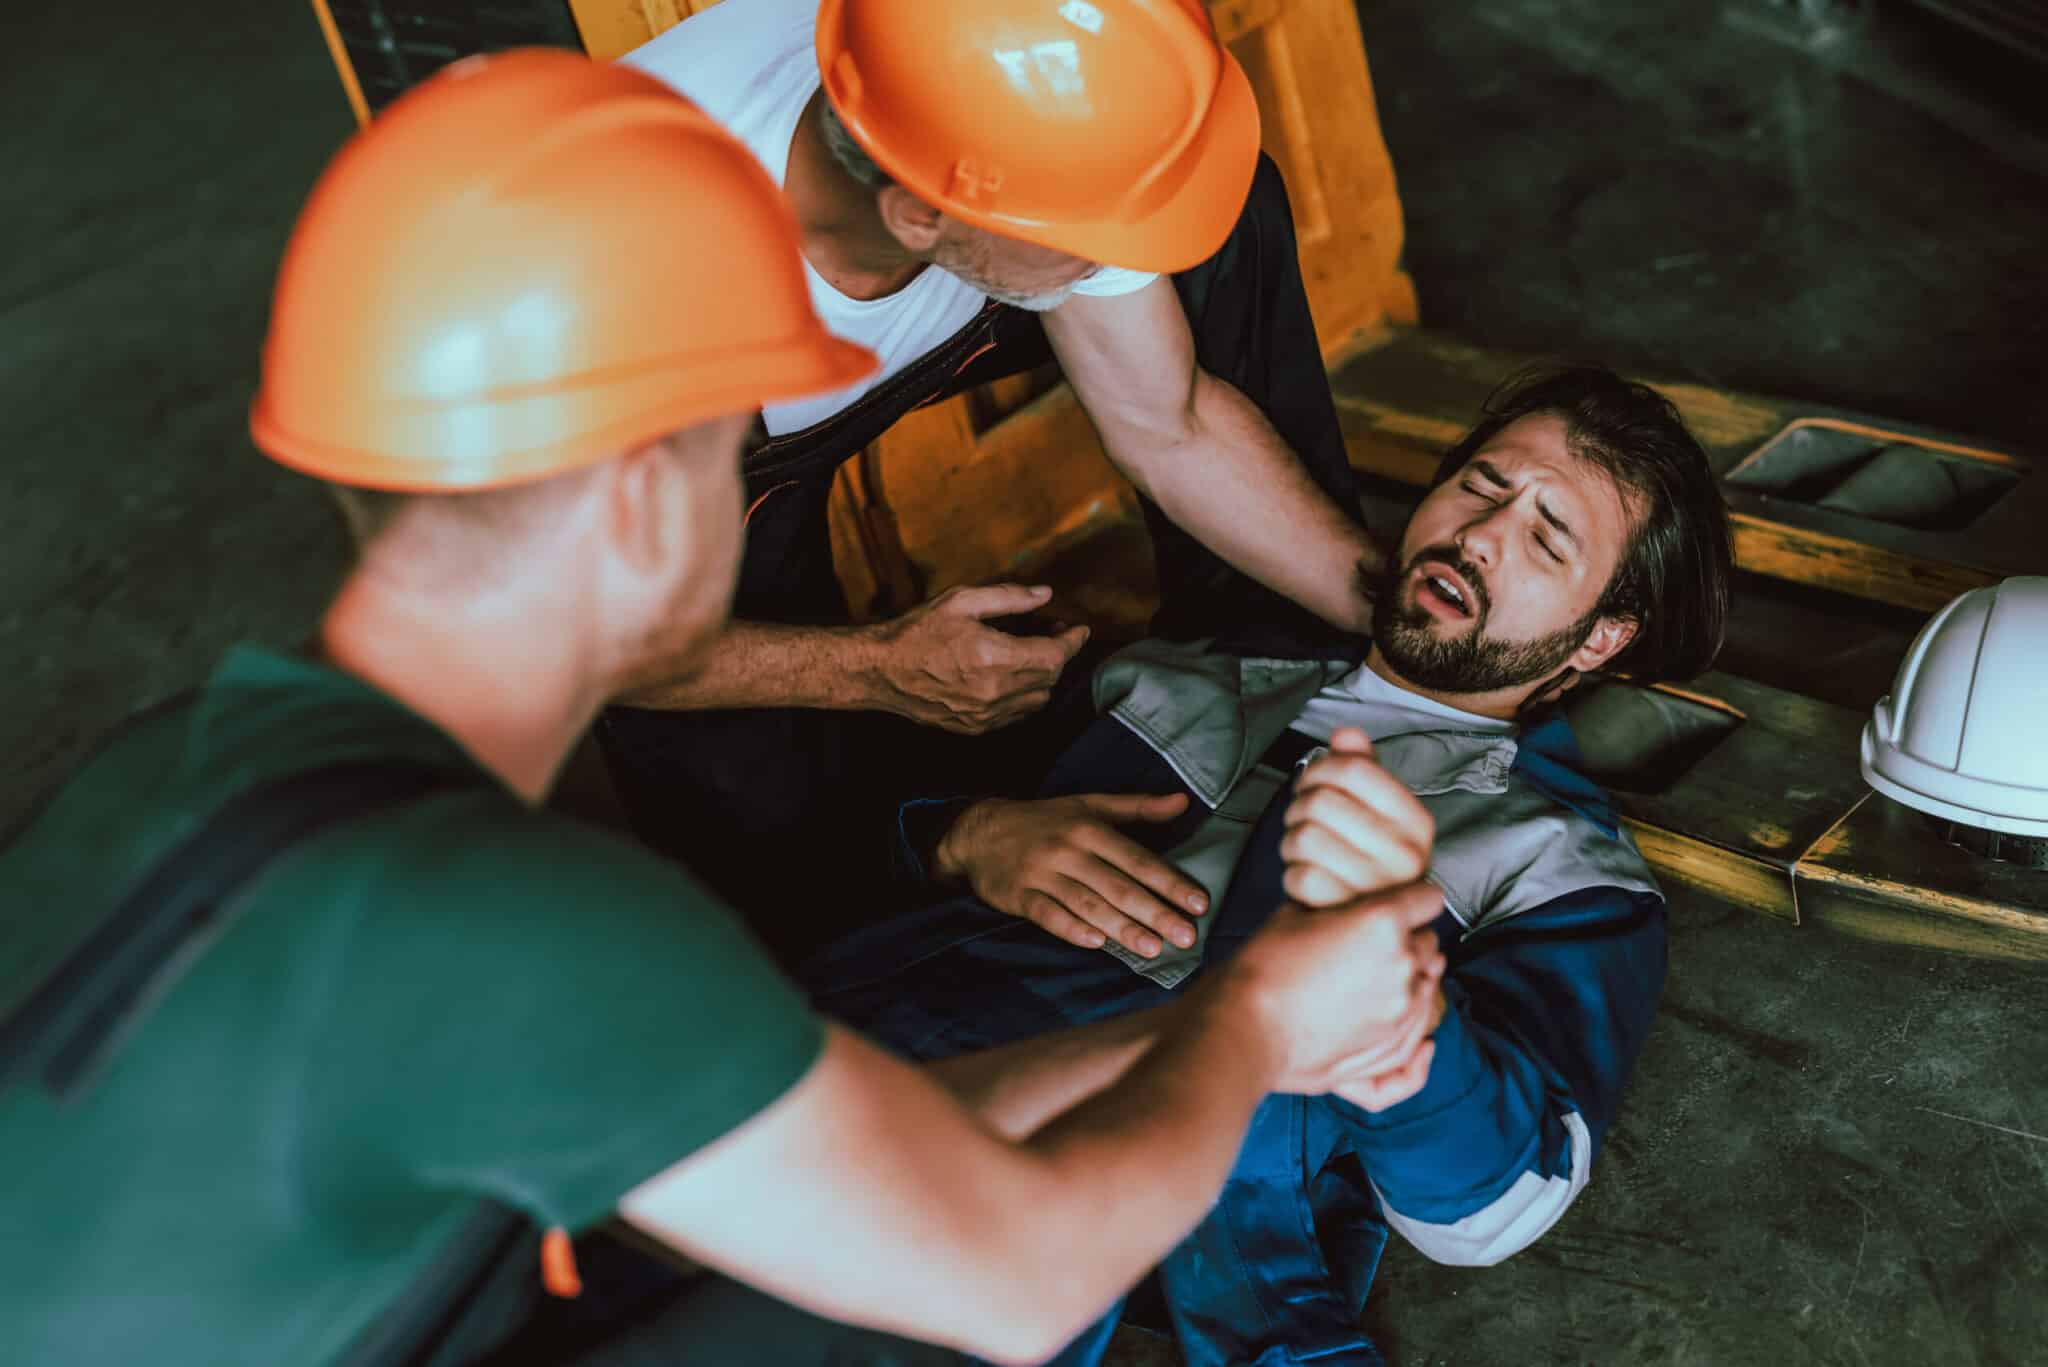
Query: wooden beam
x=1404 y=396
x=350 y=86
x=1732 y=877
x=1884 y=873
x=1768 y=544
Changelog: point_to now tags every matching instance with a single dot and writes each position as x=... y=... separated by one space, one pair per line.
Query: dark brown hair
x=1672 y=580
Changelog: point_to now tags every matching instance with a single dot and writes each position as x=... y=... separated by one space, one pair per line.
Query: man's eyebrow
x=1486 y=470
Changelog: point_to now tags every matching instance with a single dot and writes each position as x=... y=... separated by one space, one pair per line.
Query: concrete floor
x=1834 y=1152
x=1660 y=186
x=1805 y=1172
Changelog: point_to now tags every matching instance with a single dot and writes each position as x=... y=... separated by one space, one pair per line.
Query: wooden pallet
x=1771 y=813
x=1405 y=395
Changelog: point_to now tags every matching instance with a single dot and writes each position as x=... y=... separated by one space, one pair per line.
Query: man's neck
x=506 y=685
x=1503 y=705
x=844 y=237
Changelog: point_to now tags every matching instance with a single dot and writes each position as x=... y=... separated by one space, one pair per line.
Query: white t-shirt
x=1381 y=709
x=753 y=66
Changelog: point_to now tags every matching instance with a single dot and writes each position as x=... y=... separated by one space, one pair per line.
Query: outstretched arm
x=940 y=664
x=869 y=1193
x=1206 y=455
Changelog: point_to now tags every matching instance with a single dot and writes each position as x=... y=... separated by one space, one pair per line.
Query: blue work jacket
x=1549 y=1007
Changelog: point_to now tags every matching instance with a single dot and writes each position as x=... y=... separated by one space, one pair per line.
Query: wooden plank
x=1726 y=424
x=1726 y=874
x=1777 y=819
x=1972 y=929
x=1105 y=577
x=879 y=579
x=1425 y=389
x=1769 y=543
x=1236 y=19
x=1884 y=873
x=1759 y=798
x=1403 y=397
x=1416 y=387
x=1307 y=64
x=350 y=86
x=1821 y=644
x=612 y=28
x=974 y=509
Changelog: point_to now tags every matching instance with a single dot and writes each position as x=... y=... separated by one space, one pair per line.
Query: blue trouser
x=1277 y=1272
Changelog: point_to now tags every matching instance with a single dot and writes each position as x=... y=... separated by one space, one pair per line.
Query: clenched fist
x=1340 y=989
x=1354 y=830
x=1352 y=827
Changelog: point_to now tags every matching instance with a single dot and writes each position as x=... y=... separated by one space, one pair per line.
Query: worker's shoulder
x=1550 y=833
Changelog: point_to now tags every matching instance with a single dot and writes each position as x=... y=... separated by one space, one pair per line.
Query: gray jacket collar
x=1211 y=716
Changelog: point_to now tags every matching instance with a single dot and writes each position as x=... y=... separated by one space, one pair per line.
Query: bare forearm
x=1018 y=1088
x=764 y=664
x=1138 y=1164
x=895 y=1208
x=1233 y=483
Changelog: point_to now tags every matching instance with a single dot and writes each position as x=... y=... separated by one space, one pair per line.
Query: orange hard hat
x=1119 y=131
x=531 y=262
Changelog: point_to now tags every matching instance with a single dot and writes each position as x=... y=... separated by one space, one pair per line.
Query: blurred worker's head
x=643 y=548
x=1577 y=527
x=522 y=326
x=1019 y=145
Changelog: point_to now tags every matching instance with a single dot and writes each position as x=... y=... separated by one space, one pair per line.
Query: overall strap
x=75 y=1016
x=826 y=444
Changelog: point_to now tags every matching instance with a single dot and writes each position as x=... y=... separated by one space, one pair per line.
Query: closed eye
x=1547 y=550
x=1469 y=487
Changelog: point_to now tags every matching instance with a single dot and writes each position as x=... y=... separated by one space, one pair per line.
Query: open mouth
x=1444 y=593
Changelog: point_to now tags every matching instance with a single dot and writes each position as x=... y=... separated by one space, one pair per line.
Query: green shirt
x=455 y=998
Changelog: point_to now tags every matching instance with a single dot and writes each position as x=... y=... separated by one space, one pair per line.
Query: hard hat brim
x=445 y=448
x=2005 y=807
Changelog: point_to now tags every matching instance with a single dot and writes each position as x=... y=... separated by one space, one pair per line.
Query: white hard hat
x=1963 y=734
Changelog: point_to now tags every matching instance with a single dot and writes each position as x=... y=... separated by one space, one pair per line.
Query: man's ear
x=1608 y=638
x=911 y=221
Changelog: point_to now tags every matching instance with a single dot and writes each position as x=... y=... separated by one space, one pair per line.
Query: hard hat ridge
x=1118 y=131
x=530 y=262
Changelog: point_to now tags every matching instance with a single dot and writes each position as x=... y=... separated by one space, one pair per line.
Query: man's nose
x=1480 y=541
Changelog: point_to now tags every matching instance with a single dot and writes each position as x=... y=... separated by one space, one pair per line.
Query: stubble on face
x=1445 y=658
x=970 y=258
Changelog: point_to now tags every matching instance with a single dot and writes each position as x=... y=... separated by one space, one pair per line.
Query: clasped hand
x=1354 y=836
x=1348 y=973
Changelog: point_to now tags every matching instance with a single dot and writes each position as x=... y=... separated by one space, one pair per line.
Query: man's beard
x=1031 y=303
x=971 y=268
x=1470 y=662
